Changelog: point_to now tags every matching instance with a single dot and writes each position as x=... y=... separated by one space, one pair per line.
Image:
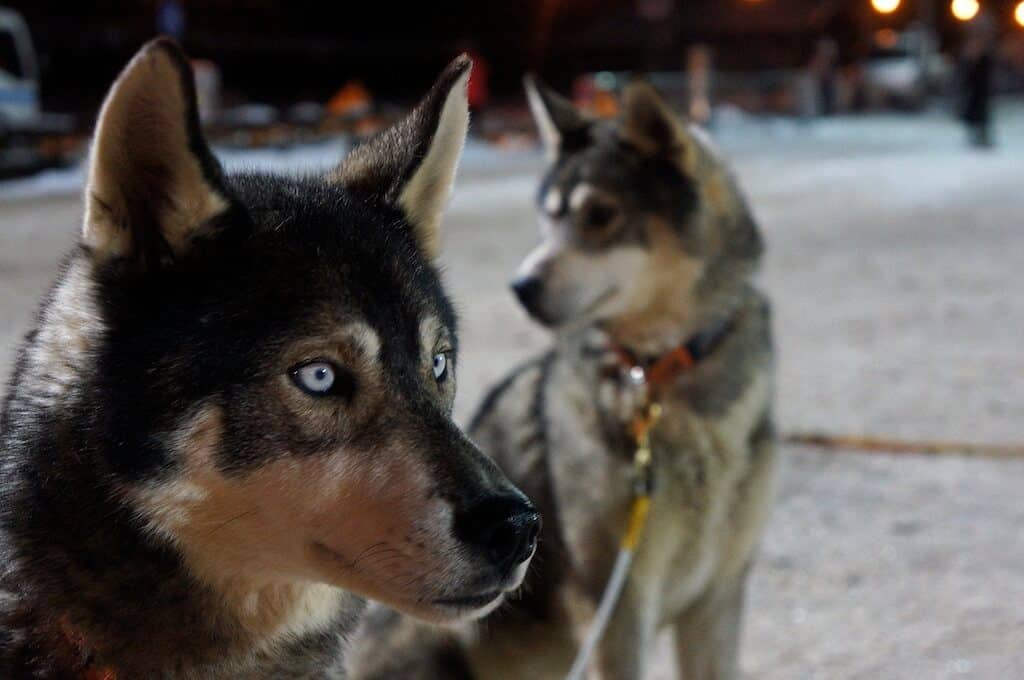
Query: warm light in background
x=1018 y=14
x=885 y=6
x=965 y=10
x=886 y=38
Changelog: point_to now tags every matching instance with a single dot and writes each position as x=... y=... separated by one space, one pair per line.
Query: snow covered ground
x=896 y=265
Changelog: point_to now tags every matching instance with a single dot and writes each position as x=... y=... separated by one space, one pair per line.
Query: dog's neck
x=648 y=336
x=688 y=352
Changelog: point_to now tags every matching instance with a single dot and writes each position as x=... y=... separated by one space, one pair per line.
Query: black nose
x=506 y=527
x=528 y=289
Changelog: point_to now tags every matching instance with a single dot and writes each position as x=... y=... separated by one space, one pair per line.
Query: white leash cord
x=604 y=613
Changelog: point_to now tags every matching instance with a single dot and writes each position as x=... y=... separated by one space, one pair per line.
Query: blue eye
x=315 y=378
x=440 y=366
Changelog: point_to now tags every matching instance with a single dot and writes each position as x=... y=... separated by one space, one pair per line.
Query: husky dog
x=648 y=249
x=231 y=422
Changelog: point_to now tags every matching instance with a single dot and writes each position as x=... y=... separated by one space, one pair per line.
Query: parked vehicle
x=29 y=138
x=19 y=72
x=903 y=68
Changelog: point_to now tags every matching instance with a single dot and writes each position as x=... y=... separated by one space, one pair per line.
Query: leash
x=648 y=381
x=643 y=485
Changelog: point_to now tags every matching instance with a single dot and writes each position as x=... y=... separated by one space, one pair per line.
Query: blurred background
x=881 y=143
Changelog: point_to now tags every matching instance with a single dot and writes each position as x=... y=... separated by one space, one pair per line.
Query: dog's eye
x=320 y=378
x=440 y=366
x=597 y=215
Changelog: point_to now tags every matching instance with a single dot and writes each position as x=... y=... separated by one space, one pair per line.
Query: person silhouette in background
x=977 y=62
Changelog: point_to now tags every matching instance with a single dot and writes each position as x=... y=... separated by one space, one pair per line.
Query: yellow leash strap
x=643 y=475
x=637 y=520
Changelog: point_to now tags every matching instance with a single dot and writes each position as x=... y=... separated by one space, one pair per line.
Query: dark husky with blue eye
x=231 y=422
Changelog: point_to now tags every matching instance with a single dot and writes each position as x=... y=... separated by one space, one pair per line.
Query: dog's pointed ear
x=412 y=164
x=556 y=117
x=650 y=125
x=153 y=184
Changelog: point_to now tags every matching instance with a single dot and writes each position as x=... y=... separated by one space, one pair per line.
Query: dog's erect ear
x=153 y=183
x=650 y=124
x=555 y=115
x=412 y=164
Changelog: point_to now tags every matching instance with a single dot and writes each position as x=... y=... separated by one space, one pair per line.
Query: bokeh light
x=965 y=10
x=885 y=6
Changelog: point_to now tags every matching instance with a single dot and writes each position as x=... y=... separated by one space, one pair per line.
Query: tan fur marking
x=661 y=303
x=719 y=196
x=70 y=327
x=273 y=540
x=433 y=336
x=364 y=339
x=219 y=532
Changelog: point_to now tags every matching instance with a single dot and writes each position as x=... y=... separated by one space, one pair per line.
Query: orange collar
x=659 y=372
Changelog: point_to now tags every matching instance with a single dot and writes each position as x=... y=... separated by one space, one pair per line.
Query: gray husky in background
x=231 y=421
x=648 y=247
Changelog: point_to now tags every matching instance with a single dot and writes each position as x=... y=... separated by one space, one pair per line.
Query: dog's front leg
x=622 y=654
x=707 y=635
